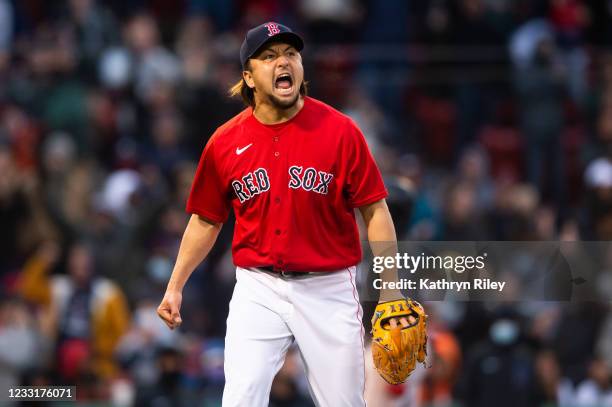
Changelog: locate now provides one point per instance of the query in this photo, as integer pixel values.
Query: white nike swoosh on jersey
(243, 149)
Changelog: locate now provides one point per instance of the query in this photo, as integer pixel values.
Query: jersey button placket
(278, 231)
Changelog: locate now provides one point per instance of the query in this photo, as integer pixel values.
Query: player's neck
(268, 114)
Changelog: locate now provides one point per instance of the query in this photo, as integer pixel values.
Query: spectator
(539, 88)
(95, 29)
(596, 390)
(144, 61)
(473, 169)
(598, 219)
(570, 18)
(462, 219)
(88, 313)
(436, 388)
(500, 371)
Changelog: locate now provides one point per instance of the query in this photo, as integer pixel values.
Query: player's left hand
(399, 339)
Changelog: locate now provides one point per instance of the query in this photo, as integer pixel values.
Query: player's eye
(268, 57)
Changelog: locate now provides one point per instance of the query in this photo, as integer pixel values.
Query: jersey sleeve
(364, 184)
(209, 195)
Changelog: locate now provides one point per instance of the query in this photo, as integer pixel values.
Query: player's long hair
(246, 93)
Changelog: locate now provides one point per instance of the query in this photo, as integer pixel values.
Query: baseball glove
(396, 350)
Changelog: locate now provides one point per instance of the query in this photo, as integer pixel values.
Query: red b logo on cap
(272, 29)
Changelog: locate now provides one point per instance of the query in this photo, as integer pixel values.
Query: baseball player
(293, 169)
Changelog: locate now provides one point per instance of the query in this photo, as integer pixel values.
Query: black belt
(287, 274)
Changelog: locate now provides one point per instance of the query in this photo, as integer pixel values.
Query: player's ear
(248, 79)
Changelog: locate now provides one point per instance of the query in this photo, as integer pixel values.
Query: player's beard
(284, 104)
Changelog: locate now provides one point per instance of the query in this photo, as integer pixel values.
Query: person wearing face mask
(500, 370)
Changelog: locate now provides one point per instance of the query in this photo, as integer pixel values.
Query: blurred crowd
(490, 120)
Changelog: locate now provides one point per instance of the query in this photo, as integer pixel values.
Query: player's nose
(282, 60)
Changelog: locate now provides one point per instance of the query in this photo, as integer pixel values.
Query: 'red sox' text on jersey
(293, 187)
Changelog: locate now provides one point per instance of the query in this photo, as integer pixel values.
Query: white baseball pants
(321, 313)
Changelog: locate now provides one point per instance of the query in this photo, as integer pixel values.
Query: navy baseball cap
(262, 34)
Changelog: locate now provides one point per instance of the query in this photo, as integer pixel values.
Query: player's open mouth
(284, 84)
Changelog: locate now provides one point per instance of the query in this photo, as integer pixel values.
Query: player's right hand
(169, 309)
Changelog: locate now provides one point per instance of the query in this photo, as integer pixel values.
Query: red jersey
(293, 187)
